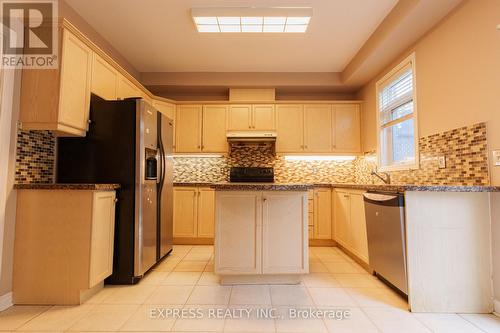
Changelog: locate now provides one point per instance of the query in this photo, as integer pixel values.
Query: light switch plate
(442, 162)
(496, 157)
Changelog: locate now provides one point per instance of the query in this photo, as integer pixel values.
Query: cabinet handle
(116, 200)
(264, 199)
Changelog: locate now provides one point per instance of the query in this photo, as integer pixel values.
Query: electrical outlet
(442, 162)
(496, 157)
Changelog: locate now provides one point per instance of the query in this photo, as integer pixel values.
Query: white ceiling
(159, 35)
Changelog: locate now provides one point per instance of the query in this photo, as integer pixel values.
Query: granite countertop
(58, 186)
(366, 187)
(261, 186)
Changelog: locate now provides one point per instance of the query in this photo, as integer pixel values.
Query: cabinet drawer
(310, 207)
(311, 232)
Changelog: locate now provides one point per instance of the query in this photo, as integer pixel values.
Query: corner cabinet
(261, 233)
(59, 99)
(63, 249)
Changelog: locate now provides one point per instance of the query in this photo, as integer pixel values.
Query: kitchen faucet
(386, 179)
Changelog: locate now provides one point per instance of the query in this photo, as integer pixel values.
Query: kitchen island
(261, 233)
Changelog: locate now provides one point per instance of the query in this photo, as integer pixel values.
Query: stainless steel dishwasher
(386, 231)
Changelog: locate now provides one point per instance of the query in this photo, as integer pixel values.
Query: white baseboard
(496, 307)
(5, 301)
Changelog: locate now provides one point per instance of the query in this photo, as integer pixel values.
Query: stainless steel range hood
(251, 137)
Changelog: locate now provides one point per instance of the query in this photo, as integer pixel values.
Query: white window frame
(409, 61)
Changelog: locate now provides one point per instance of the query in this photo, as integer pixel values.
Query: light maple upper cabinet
(346, 128)
(104, 79)
(318, 128)
(185, 212)
(259, 117)
(188, 122)
(290, 128)
(127, 89)
(59, 99)
(239, 118)
(322, 213)
(263, 117)
(167, 109)
(214, 129)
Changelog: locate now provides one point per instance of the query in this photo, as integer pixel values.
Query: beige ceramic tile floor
(185, 281)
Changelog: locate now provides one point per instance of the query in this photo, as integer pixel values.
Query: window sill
(401, 167)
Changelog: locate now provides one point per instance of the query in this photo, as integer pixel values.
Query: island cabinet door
(284, 233)
(238, 229)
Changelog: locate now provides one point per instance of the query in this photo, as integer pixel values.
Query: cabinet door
(263, 117)
(188, 128)
(322, 213)
(185, 212)
(238, 237)
(318, 128)
(127, 89)
(214, 129)
(104, 79)
(290, 128)
(102, 237)
(284, 226)
(240, 118)
(342, 216)
(359, 241)
(167, 109)
(206, 212)
(76, 72)
(346, 128)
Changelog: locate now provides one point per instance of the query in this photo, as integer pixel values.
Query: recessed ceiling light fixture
(252, 19)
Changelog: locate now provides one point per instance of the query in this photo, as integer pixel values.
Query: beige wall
(457, 73)
(458, 80)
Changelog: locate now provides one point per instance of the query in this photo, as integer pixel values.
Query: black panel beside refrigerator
(125, 142)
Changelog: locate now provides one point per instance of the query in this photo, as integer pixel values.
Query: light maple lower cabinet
(194, 215)
(322, 213)
(350, 222)
(59, 99)
(261, 233)
(63, 247)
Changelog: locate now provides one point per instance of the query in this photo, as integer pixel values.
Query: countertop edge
(366, 187)
(75, 187)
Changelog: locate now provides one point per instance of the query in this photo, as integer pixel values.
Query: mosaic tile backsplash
(35, 157)
(466, 155)
(216, 169)
(465, 150)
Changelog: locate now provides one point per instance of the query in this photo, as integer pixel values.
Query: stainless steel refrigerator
(130, 143)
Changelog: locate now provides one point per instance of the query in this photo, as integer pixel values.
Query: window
(397, 118)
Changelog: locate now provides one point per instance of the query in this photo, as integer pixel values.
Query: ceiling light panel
(252, 19)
